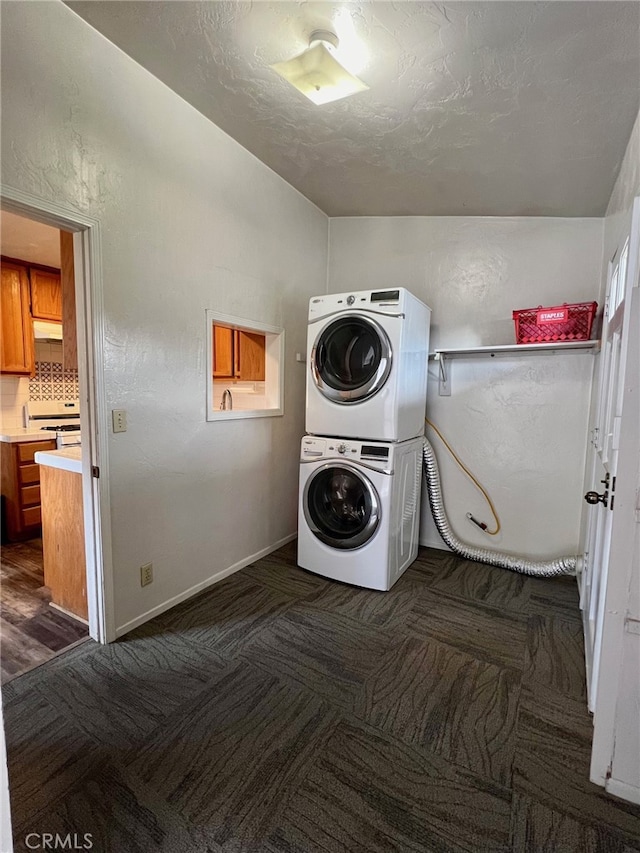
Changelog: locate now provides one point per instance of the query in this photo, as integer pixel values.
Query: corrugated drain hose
(513, 562)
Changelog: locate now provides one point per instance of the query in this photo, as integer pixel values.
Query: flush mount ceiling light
(317, 73)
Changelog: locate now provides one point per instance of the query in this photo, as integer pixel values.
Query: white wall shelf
(550, 348)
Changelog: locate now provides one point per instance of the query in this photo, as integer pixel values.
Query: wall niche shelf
(442, 356)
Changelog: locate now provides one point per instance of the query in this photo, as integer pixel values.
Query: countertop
(25, 434)
(67, 459)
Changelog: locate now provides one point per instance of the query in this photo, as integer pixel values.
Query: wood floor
(279, 712)
(31, 631)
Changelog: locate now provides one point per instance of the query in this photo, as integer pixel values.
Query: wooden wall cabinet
(16, 347)
(238, 354)
(21, 487)
(37, 293)
(223, 345)
(46, 295)
(68, 288)
(250, 357)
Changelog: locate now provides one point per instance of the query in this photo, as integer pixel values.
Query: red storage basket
(557, 323)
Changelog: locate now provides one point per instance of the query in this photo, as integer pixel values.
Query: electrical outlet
(146, 574)
(119, 420)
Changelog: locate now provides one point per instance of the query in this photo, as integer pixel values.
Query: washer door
(341, 506)
(351, 359)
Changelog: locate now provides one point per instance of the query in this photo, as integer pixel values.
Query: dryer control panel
(391, 302)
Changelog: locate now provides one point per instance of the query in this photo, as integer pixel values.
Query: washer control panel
(343, 448)
(340, 448)
(313, 448)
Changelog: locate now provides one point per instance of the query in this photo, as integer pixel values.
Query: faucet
(226, 397)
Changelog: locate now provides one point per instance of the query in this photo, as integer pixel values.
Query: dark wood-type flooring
(31, 631)
(281, 712)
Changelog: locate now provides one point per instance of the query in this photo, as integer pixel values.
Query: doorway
(83, 243)
(43, 602)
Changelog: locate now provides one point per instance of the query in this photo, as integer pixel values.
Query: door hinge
(613, 490)
(95, 472)
(595, 435)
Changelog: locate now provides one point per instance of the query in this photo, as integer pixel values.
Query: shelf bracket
(444, 378)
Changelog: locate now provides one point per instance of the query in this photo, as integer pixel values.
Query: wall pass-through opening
(244, 368)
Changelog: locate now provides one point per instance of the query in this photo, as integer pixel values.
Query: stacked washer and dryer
(360, 465)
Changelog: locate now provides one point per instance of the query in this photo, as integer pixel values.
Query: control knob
(341, 448)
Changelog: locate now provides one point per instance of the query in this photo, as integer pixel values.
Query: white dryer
(367, 356)
(359, 509)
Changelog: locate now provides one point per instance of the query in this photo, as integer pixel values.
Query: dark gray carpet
(282, 712)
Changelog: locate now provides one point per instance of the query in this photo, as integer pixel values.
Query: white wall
(189, 220)
(627, 184)
(519, 423)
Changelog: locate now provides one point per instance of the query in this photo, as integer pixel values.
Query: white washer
(359, 509)
(367, 356)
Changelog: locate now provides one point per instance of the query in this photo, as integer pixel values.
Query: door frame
(93, 415)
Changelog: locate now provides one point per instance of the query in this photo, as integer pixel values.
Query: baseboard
(434, 543)
(69, 614)
(630, 793)
(194, 590)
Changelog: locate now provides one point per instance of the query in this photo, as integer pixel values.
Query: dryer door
(341, 506)
(351, 359)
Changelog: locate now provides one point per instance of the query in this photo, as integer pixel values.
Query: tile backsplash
(52, 381)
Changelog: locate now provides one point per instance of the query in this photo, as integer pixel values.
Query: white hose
(513, 562)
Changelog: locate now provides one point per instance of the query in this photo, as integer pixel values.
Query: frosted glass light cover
(319, 76)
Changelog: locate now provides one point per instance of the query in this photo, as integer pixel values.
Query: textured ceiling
(27, 240)
(494, 108)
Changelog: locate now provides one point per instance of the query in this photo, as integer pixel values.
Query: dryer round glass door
(341, 506)
(351, 359)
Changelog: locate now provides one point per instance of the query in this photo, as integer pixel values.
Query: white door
(605, 438)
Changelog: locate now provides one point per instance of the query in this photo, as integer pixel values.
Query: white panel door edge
(606, 440)
(614, 538)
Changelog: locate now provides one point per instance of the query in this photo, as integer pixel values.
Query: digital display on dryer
(386, 296)
(374, 452)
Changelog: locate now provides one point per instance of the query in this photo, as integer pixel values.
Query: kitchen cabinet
(223, 361)
(68, 288)
(21, 487)
(16, 348)
(63, 546)
(238, 354)
(249, 355)
(46, 294)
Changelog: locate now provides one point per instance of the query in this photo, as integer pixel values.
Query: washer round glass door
(341, 506)
(351, 359)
